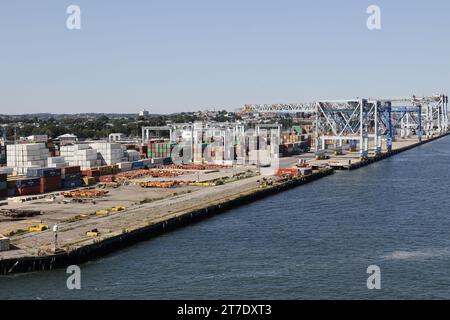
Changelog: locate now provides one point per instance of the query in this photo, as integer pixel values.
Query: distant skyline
(173, 56)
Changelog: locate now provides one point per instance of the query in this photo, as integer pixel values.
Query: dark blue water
(312, 242)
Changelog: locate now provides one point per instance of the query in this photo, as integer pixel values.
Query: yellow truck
(39, 227)
(117, 208)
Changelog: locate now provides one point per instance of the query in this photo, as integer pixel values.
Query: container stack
(143, 150)
(198, 151)
(57, 162)
(108, 153)
(71, 177)
(50, 178)
(125, 166)
(107, 170)
(3, 185)
(91, 173)
(24, 156)
(23, 186)
(217, 153)
(132, 155)
(79, 155)
(2, 155)
(159, 149)
(291, 138)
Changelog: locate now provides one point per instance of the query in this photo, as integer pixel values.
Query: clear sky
(178, 55)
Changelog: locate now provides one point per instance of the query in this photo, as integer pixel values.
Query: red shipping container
(3, 176)
(27, 191)
(3, 193)
(90, 173)
(50, 184)
(95, 173)
(143, 149)
(107, 178)
(292, 172)
(130, 146)
(70, 170)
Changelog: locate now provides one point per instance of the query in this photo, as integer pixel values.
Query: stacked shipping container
(23, 186)
(3, 185)
(108, 153)
(50, 178)
(24, 156)
(71, 177)
(159, 149)
(80, 155)
(2, 155)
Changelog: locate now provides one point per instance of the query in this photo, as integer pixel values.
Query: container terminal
(89, 198)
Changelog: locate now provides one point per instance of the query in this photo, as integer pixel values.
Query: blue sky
(174, 55)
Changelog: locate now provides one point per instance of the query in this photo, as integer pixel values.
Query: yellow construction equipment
(39, 227)
(93, 233)
(117, 208)
(204, 184)
(102, 212)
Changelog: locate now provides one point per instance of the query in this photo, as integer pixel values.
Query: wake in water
(417, 254)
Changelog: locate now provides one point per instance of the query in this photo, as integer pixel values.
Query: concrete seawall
(109, 245)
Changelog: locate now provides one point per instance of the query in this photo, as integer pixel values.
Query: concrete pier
(148, 214)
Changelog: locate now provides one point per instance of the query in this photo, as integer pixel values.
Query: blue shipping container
(137, 165)
(66, 184)
(29, 182)
(44, 172)
(72, 176)
(3, 185)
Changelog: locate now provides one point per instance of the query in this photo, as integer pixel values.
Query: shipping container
(66, 184)
(44, 172)
(27, 182)
(50, 184)
(159, 149)
(90, 173)
(292, 172)
(70, 170)
(137, 165)
(27, 191)
(71, 176)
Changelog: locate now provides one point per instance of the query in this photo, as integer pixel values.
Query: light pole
(55, 234)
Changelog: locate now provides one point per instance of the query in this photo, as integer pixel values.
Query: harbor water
(312, 242)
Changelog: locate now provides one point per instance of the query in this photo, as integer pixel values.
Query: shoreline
(129, 237)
